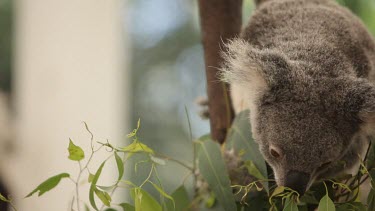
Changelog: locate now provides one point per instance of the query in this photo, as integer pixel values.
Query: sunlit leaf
(210, 201)
(212, 167)
(127, 207)
(49, 184)
(104, 197)
(120, 166)
(90, 178)
(144, 201)
(134, 132)
(75, 152)
(93, 186)
(326, 204)
(137, 146)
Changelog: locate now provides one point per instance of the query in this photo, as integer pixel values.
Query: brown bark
(220, 20)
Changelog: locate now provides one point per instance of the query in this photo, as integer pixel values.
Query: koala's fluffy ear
(253, 69)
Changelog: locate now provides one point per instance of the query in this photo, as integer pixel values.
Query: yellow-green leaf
(162, 192)
(2, 198)
(144, 201)
(103, 196)
(48, 184)
(90, 178)
(134, 132)
(93, 186)
(137, 146)
(120, 166)
(75, 152)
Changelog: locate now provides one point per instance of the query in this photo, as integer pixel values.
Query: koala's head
(307, 127)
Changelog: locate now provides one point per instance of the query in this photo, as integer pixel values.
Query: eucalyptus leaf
(120, 166)
(240, 139)
(144, 201)
(136, 147)
(253, 170)
(162, 192)
(371, 200)
(104, 197)
(212, 167)
(326, 204)
(49, 184)
(93, 186)
(127, 207)
(75, 152)
(181, 199)
(2, 198)
(290, 205)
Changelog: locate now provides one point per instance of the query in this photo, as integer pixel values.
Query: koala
(306, 71)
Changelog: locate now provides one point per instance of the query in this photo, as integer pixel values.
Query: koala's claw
(202, 102)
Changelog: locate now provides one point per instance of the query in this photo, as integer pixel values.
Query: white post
(70, 68)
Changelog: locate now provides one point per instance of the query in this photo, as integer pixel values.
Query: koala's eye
(275, 153)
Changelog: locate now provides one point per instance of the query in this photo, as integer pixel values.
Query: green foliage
(212, 168)
(75, 152)
(49, 184)
(213, 185)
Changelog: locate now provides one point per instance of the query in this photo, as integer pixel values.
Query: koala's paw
(202, 102)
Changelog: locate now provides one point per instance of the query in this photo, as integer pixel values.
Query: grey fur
(305, 68)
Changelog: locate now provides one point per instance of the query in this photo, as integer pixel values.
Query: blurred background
(107, 63)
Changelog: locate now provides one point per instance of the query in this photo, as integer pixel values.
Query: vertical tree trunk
(220, 20)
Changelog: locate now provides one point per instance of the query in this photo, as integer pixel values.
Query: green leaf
(290, 205)
(75, 152)
(2, 198)
(93, 186)
(253, 170)
(87, 208)
(371, 200)
(90, 178)
(240, 139)
(127, 207)
(137, 146)
(144, 201)
(134, 132)
(326, 204)
(352, 206)
(181, 199)
(104, 197)
(120, 166)
(162, 192)
(49, 184)
(278, 190)
(212, 167)
(210, 201)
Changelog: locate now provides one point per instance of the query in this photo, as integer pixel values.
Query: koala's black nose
(297, 181)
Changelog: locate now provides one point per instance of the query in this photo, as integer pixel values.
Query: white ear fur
(241, 68)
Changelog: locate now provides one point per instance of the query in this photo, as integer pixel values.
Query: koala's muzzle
(297, 181)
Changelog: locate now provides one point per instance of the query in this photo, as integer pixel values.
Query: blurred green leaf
(181, 199)
(290, 205)
(162, 192)
(326, 204)
(2, 198)
(213, 170)
(371, 200)
(157, 160)
(144, 201)
(134, 132)
(352, 206)
(120, 166)
(104, 197)
(127, 207)
(253, 170)
(137, 146)
(49, 184)
(240, 139)
(210, 201)
(90, 178)
(75, 152)
(93, 186)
